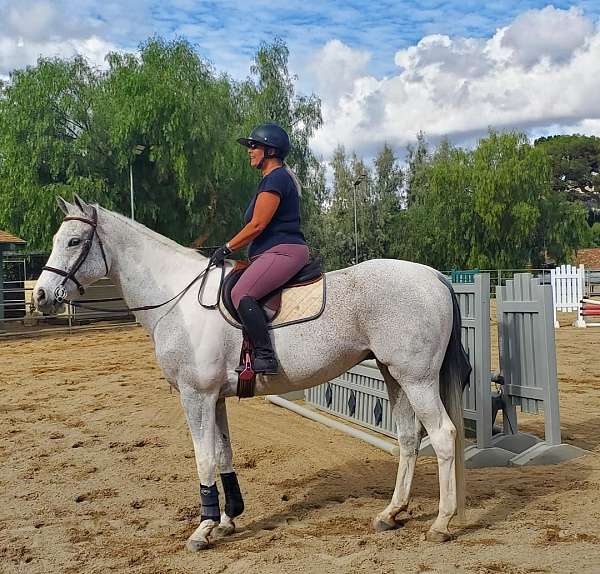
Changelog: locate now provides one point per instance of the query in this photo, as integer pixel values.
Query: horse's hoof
(436, 536)
(223, 530)
(195, 545)
(381, 525)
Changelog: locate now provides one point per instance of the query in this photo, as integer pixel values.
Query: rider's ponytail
(294, 177)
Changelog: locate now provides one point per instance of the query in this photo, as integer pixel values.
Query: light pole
(137, 150)
(358, 181)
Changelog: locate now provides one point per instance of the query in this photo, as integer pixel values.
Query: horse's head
(77, 259)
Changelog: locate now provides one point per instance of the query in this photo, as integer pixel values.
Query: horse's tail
(454, 376)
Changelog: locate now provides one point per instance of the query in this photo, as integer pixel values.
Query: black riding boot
(255, 324)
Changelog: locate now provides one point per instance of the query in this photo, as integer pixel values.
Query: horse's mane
(153, 235)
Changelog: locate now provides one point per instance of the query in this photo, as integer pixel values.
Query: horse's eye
(74, 242)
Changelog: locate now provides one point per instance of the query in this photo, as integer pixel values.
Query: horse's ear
(85, 208)
(64, 205)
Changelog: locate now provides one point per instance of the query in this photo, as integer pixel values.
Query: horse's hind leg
(423, 394)
(409, 439)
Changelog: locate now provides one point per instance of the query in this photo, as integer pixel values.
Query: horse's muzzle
(44, 302)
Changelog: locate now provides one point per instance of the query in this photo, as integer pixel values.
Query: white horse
(402, 313)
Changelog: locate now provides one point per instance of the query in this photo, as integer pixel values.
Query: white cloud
(549, 33)
(38, 28)
(541, 70)
(335, 67)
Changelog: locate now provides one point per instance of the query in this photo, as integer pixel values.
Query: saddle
(301, 299)
(286, 305)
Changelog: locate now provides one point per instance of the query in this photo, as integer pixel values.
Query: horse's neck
(149, 268)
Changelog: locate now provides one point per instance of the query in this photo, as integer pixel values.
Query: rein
(60, 291)
(202, 275)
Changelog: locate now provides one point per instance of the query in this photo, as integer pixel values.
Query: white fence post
(567, 291)
(580, 322)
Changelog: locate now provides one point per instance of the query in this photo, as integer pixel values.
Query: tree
(575, 161)
(416, 158)
(439, 221)
(595, 235)
(43, 113)
(492, 207)
(338, 220)
(68, 128)
(385, 237)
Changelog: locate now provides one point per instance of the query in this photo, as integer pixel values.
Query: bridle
(60, 292)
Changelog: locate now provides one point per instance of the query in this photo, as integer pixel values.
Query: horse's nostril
(40, 295)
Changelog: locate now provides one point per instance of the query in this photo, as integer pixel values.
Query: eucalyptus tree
(386, 235)
(338, 219)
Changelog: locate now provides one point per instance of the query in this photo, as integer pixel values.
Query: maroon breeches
(270, 270)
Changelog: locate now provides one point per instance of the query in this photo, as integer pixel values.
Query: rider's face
(256, 153)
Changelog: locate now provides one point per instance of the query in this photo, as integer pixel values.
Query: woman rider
(277, 248)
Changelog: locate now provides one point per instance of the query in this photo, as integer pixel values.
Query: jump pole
(386, 445)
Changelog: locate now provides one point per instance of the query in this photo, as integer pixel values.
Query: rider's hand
(219, 255)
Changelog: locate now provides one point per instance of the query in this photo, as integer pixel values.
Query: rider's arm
(265, 207)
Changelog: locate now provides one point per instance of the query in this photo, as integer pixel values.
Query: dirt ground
(98, 476)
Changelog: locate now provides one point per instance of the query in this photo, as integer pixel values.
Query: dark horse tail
(456, 361)
(454, 377)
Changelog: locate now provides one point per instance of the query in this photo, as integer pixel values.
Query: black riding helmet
(270, 136)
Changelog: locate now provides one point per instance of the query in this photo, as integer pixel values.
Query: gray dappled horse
(403, 313)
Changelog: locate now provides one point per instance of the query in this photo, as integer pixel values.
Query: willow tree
(492, 207)
(66, 127)
(44, 112)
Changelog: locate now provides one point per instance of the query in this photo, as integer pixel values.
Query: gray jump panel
(359, 395)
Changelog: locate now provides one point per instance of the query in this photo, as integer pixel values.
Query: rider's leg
(266, 273)
(255, 323)
(270, 270)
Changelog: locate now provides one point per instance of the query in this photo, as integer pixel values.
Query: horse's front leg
(234, 503)
(199, 407)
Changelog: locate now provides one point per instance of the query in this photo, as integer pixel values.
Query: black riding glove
(219, 255)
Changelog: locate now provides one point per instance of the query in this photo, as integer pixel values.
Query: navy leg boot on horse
(255, 325)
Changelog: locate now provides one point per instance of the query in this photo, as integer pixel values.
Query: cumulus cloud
(335, 67)
(548, 33)
(31, 29)
(539, 71)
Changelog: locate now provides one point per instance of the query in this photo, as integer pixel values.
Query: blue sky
(392, 67)
(228, 31)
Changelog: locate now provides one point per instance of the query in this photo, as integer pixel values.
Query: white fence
(567, 291)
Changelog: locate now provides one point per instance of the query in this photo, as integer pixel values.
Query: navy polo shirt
(284, 227)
